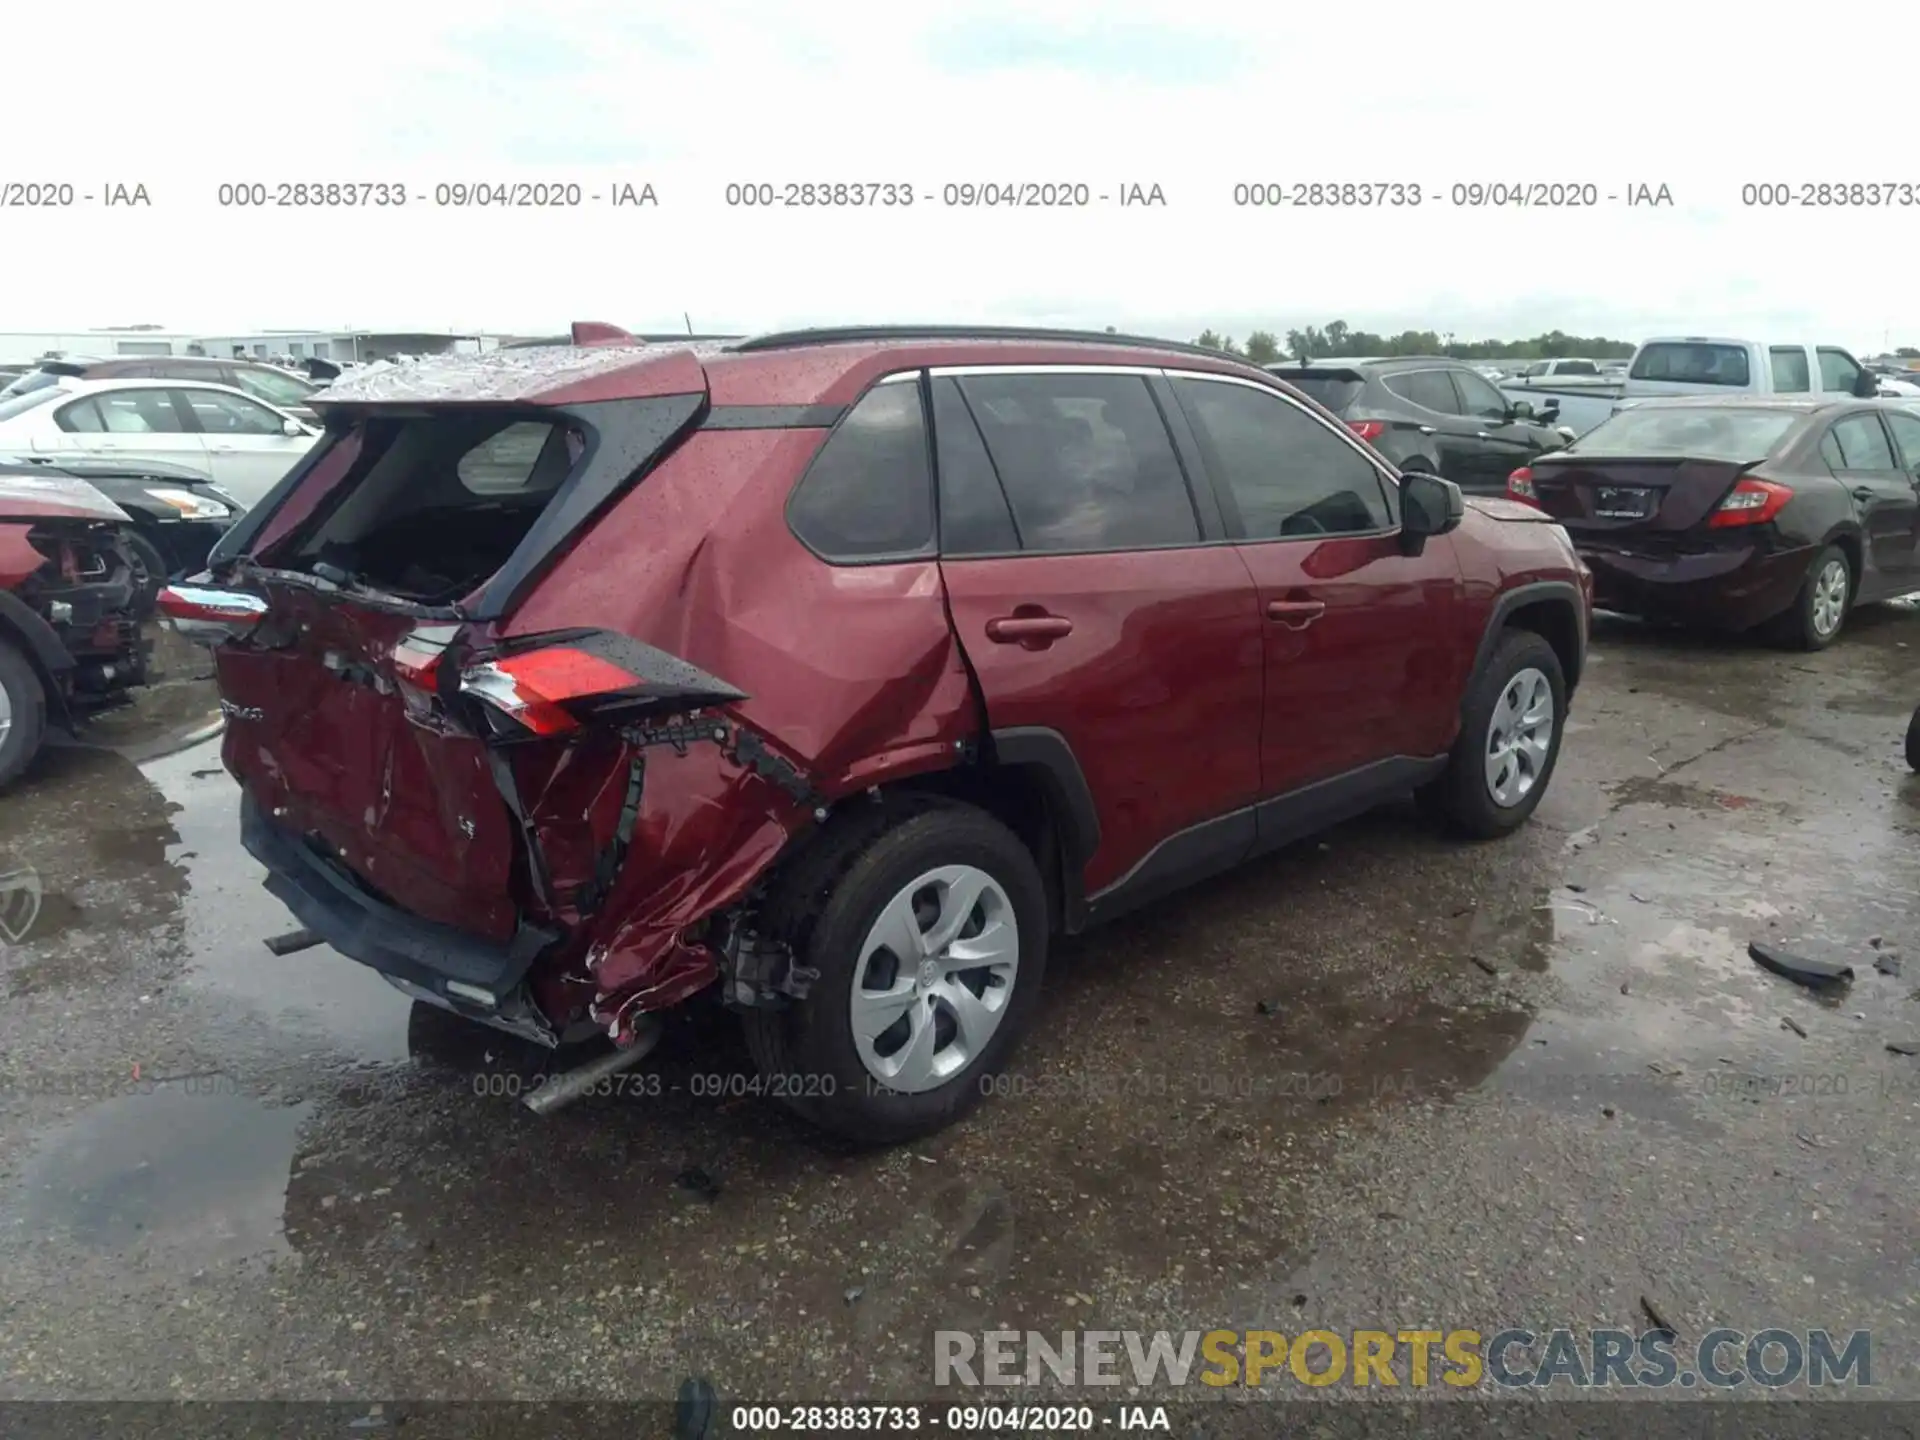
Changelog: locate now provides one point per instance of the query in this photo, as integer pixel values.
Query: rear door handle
(1864, 493)
(1028, 629)
(1296, 614)
(1428, 430)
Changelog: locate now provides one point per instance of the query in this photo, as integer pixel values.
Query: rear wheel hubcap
(934, 978)
(1830, 596)
(6, 714)
(1519, 737)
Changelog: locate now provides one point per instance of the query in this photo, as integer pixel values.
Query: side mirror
(1550, 414)
(292, 428)
(1429, 506)
(1866, 385)
(1520, 409)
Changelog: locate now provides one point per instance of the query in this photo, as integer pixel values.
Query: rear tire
(23, 714)
(1509, 741)
(1819, 611)
(1913, 740)
(929, 867)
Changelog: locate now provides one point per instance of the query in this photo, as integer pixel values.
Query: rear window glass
(32, 380)
(12, 405)
(1693, 362)
(869, 492)
(1698, 433)
(1332, 392)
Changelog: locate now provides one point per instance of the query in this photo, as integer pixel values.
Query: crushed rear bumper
(434, 962)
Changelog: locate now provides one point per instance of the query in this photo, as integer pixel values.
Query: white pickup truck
(1702, 365)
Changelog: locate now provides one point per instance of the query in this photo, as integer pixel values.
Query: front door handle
(1034, 631)
(1482, 435)
(1296, 614)
(1864, 493)
(1428, 430)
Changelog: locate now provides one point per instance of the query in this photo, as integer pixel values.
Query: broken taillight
(552, 685)
(208, 616)
(416, 665)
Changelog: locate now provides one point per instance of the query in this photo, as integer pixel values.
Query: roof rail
(853, 334)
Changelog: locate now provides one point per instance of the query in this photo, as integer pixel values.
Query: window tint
(274, 388)
(1838, 371)
(1085, 459)
(1576, 367)
(223, 414)
(124, 412)
(1538, 368)
(1906, 434)
(1790, 373)
(1862, 444)
(974, 518)
(1290, 475)
(1693, 362)
(868, 491)
(1429, 389)
(1477, 397)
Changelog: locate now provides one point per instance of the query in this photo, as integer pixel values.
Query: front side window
(868, 494)
(1291, 477)
(123, 412)
(1479, 398)
(1791, 375)
(1839, 371)
(1861, 442)
(223, 414)
(1577, 367)
(1906, 434)
(282, 390)
(1085, 460)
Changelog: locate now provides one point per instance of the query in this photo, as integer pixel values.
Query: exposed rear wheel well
(1555, 622)
(1850, 547)
(1019, 797)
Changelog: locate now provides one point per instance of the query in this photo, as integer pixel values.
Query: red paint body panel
(1377, 674)
(1158, 688)
(18, 559)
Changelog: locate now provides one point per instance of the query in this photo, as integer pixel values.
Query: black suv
(266, 382)
(1434, 414)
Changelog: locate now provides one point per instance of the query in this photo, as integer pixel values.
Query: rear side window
(975, 518)
(1290, 475)
(1861, 443)
(1085, 460)
(219, 413)
(1429, 389)
(1839, 371)
(123, 412)
(1790, 373)
(509, 461)
(1692, 362)
(869, 493)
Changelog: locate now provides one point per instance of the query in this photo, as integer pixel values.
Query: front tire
(929, 932)
(149, 573)
(1820, 609)
(23, 714)
(1509, 740)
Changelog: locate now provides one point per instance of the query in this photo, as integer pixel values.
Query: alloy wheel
(1519, 737)
(1830, 588)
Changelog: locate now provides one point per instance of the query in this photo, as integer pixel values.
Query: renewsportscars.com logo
(1721, 1359)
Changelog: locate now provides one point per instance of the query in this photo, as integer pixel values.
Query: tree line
(1338, 340)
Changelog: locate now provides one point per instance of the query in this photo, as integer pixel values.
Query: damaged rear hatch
(385, 735)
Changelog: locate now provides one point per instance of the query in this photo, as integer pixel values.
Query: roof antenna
(689, 319)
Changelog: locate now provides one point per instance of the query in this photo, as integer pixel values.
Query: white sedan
(239, 442)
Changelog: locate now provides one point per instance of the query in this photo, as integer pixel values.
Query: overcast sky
(1194, 96)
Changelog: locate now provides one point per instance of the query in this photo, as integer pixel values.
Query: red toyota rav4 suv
(839, 669)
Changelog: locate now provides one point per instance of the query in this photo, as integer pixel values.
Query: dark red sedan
(1781, 512)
